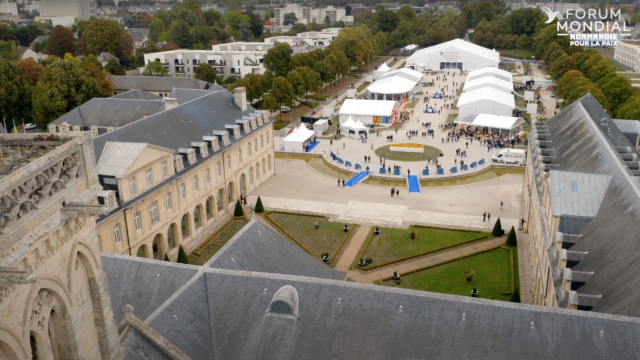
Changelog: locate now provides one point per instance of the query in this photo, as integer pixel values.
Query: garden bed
(429, 153)
(216, 242)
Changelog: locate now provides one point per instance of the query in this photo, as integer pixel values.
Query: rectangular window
(261, 141)
(153, 211)
(255, 143)
(111, 202)
(164, 169)
(267, 136)
(207, 177)
(239, 155)
(195, 183)
(249, 148)
(169, 201)
(132, 186)
(116, 233)
(229, 162)
(149, 178)
(218, 169)
(183, 193)
(136, 219)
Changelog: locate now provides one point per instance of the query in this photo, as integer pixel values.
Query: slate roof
(628, 126)
(257, 248)
(577, 194)
(222, 314)
(579, 144)
(105, 57)
(39, 39)
(138, 34)
(157, 83)
(186, 95)
(112, 111)
(137, 94)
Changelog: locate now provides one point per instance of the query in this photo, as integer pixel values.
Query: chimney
(170, 103)
(240, 97)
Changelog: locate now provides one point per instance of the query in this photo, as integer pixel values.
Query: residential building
(441, 7)
(139, 36)
(8, 7)
(81, 9)
(561, 7)
(105, 57)
(26, 52)
(626, 53)
(307, 41)
(582, 202)
(307, 15)
(54, 296)
(40, 39)
(160, 86)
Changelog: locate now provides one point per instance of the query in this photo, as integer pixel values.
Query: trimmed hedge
(515, 297)
(259, 208)
(511, 239)
(166, 257)
(196, 251)
(182, 256)
(238, 211)
(497, 229)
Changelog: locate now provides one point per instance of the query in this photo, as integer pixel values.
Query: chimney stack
(170, 103)
(240, 97)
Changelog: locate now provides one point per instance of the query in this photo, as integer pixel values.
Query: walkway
(409, 265)
(353, 248)
(525, 269)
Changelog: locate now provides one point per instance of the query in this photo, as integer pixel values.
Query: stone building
(54, 296)
(582, 205)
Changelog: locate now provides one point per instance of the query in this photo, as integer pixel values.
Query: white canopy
(384, 67)
(363, 107)
(396, 82)
(457, 53)
(356, 126)
(494, 83)
(486, 101)
(410, 47)
(490, 72)
(298, 138)
(493, 121)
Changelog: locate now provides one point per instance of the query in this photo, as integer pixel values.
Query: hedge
(182, 256)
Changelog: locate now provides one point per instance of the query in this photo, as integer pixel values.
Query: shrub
(238, 211)
(497, 229)
(515, 297)
(182, 256)
(469, 274)
(412, 234)
(368, 260)
(511, 239)
(166, 257)
(259, 208)
(398, 282)
(325, 254)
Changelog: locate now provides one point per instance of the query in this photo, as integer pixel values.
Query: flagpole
(24, 128)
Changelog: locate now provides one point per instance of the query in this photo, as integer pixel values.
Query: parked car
(285, 109)
(30, 126)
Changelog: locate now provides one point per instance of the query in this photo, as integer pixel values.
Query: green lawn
(507, 66)
(615, 66)
(309, 104)
(515, 53)
(280, 124)
(363, 86)
(394, 244)
(326, 239)
(492, 276)
(429, 153)
(216, 243)
(319, 97)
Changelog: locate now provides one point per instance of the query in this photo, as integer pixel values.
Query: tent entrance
(450, 65)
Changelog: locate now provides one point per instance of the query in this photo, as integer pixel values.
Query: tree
(566, 78)
(289, 19)
(232, 5)
(618, 90)
(515, 297)
(31, 69)
(406, 13)
(244, 32)
(324, 68)
(124, 48)
(214, 18)
(386, 21)
(145, 19)
(72, 59)
(205, 72)
(259, 208)
(238, 210)
(166, 257)
(15, 92)
(156, 27)
(271, 104)
(26, 34)
(524, 21)
(61, 41)
(102, 77)
(179, 34)
(282, 92)
(155, 68)
(404, 34)
(114, 67)
(511, 238)
(102, 35)
(62, 87)
(630, 109)
(92, 59)
(256, 24)
(278, 59)
(6, 33)
(182, 256)
(497, 229)
(235, 18)
(9, 50)
(559, 67)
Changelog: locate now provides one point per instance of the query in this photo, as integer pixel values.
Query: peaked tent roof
(506, 86)
(487, 94)
(458, 44)
(490, 71)
(384, 67)
(364, 107)
(257, 248)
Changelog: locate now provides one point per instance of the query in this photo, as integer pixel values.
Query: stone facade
(59, 307)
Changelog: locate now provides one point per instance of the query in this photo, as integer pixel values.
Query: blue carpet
(313, 145)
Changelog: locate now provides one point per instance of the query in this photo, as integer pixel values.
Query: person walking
(488, 215)
(338, 182)
(371, 146)
(501, 203)
(330, 142)
(408, 171)
(343, 182)
(484, 216)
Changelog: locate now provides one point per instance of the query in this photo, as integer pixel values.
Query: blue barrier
(358, 167)
(425, 172)
(464, 167)
(481, 162)
(473, 164)
(396, 171)
(347, 164)
(383, 171)
(356, 179)
(440, 172)
(340, 161)
(453, 170)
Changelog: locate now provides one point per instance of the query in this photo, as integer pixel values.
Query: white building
(368, 111)
(561, 7)
(8, 7)
(485, 101)
(82, 9)
(307, 15)
(310, 40)
(454, 54)
(627, 53)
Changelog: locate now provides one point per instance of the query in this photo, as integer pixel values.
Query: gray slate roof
(222, 314)
(137, 94)
(39, 39)
(628, 126)
(114, 112)
(611, 237)
(577, 194)
(257, 248)
(157, 83)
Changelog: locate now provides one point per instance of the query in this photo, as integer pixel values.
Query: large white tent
(490, 72)
(487, 82)
(382, 70)
(486, 101)
(493, 122)
(454, 54)
(298, 139)
(394, 85)
(354, 129)
(368, 111)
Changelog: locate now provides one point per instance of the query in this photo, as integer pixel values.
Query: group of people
(367, 159)
(395, 191)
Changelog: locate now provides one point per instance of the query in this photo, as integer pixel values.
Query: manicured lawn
(326, 239)
(394, 244)
(280, 124)
(515, 53)
(507, 66)
(309, 104)
(217, 243)
(363, 86)
(318, 97)
(615, 66)
(492, 276)
(429, 153)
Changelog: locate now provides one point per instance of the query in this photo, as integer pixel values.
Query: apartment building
(81, 9)
(307, 15)
(307, 41)
(626, 52)
(561, 7)
(8, 7)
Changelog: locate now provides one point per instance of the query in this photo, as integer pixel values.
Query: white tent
(395, 84)
(490, 72)
(486, 101)
(356, 128)
(368, 111)
(321, 126)
(409, 48)
(454, 54)
(382, 70)
(496, 122)
(298, 139)
(494, 83)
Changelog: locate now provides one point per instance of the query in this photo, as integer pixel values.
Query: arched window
(269, 162)
(197, 216)
(209, 208)
(142, 251)
(220, 196)
(158, 247)
(171, 236)
(257, 171)
(263, 167)
(251, 175)
(185, 226)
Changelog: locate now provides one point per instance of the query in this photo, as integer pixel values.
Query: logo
(551, 14)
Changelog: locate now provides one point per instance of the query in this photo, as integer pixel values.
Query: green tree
(166, 257)
(407, 13)
(62, 87)
(181, 13)
(102, 35)
(289, 19)
(324, 68)
(566, 78)
(102, 77)
(155, 68)
(114, 67)
(214, 18)
(179, 34)
(511, 238)
(9, 50)
(497, 229)
(182, 256)
(15, 92)
(26, 34)
(386, 21)
(295, 79)
(282, 92)
(559, 67)
(205, 72)
(61, 41)
(515, 297)
(238, 210)
(278, 59)
(630, 109)
(31, 69)
(235, 18)
(92, 59)
(271, 104)
(6, 33)
(618, 90)
(259, 208)
(156, 27)
(524, 21)
(124, 48)
(71, 58)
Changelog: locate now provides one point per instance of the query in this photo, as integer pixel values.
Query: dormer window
(236, 132)
(178, 163)
(204, 151)
(192, 157)
(215, 144)
(284, 302)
